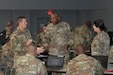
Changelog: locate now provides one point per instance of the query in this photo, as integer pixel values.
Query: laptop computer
(55, 62)
(103, 60)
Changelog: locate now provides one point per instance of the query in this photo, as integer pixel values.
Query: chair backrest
(103, 60)
(110, 33)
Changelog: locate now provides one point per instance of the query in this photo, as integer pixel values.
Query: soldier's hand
(40, 50)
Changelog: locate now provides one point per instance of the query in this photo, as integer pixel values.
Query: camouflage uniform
(18, 39)
(100, 44)
(41, 40)
(84, 65)
(8, 32)
(30, 64)
(7, 55)
(82, 35)
(110, 59)
(58, 36)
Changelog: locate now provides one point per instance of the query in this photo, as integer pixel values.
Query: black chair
(103, 60)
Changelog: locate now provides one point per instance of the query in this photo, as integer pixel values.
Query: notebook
(103, 60)
(55, 62)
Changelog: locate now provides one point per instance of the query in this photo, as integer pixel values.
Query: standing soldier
(41, 38)
(20, 38)
(58, 34)
(101, 42)
(82, 35)
(5, 34)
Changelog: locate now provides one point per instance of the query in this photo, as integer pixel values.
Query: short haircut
(19, 19)
(32, 46)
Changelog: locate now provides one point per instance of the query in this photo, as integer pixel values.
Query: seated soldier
(83, 64)
(29, 64)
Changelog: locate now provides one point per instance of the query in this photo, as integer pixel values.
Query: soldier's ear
(58, 18)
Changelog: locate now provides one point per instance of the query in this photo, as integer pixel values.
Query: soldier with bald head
(58, 33)
(83, 64)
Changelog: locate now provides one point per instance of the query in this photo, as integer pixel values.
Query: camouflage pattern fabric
(84, 65)
(100, 44)
(30, 64)
(18, 39)
(41, 40)
(7, 55)
(58, 36)
(8, 32)
(82, 35)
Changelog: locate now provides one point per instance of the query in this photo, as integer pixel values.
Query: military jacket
(58, 36)
(100, 44)
(41, 40)
(84, 65)
(30, 64)
(82, 35)
(18, 39)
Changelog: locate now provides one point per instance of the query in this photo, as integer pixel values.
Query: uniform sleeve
(48, 32)
(43, 69)
(95, 46)
(37, 39)
(68, 70)
(69, 34)
(6, 50)
(89, 38)
(14, 42)
(99, 68)
(29, 35)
